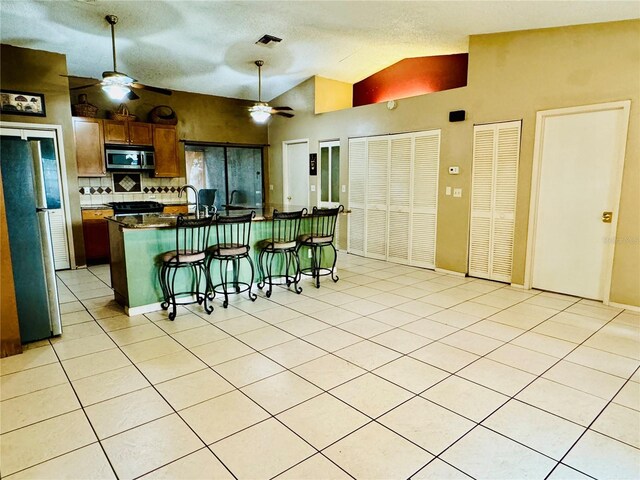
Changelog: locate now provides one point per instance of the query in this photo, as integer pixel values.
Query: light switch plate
(313, 188)
(344, 188)
(457, 192)
(447, 191)
(271, 187)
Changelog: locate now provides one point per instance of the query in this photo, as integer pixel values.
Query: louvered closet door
(377, 198)
(493, 200)
(425, 199)
(357, 195)
(399, 198)
(59, 239)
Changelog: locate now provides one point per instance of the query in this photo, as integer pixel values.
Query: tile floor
(393, 372)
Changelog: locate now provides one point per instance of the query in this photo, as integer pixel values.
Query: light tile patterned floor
(393, 372)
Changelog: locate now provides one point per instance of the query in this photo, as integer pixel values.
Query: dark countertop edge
(107, 207)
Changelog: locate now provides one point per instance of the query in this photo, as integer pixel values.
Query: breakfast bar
(137, 243)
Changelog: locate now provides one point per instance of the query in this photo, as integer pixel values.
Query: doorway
(227, 176)
(577, 174)
(295, 170)
(51, 152)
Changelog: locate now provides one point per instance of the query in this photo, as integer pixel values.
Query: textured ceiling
(209, 46)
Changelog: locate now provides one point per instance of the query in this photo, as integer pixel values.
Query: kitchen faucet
(195, 192)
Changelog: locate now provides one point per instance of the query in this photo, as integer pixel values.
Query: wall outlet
(447, 191)
(152, 196)
(454, 170)
(271, 188)
(344, 188)
(313, 188)
(457, 192)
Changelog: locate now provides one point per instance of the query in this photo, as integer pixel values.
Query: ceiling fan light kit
(261, 111)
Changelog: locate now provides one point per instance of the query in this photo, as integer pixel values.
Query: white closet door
(59, 239)
(401, 155)
(357, 195)
(504, 211)
(496, 152)
(425, 199)
(377, 197)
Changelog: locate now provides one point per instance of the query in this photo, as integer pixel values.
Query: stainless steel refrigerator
(25, 182)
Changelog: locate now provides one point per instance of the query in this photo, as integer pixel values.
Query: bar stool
(192, 238)
(321, 233)
(232, 245)
(285, 229)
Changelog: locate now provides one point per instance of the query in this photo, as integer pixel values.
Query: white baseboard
(633, 308)
(451, 272)
(517, 285)
(152, 307)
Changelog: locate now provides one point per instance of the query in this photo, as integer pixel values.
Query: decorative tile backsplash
(127, 182)
(125, 187)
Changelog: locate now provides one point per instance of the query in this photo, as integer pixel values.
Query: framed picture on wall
(22, 103)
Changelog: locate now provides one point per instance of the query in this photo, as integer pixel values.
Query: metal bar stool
(232, 245)
(321, 233)
(285, 229)
(192, 238)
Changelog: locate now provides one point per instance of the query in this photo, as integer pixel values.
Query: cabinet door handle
(607, 217)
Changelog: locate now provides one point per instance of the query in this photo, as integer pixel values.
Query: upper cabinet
(128, 133)
(89, 147)
(165, 143)
(92, 134)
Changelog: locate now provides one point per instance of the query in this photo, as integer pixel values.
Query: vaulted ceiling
(209, 46)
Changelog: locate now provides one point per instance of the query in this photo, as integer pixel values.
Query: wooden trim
(10, 343)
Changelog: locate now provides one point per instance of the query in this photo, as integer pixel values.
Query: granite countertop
(95, 207)
(107, 207)
(162, 220)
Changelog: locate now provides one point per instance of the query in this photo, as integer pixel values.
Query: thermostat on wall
(454, 170)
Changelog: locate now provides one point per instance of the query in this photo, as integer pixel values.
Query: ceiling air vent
(267, 39)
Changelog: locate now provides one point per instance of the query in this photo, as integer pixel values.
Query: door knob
(607, 217)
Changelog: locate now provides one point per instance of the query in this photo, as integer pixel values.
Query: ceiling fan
(261, 111)
(117, 84)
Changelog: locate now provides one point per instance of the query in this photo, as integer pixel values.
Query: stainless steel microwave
(129, 159)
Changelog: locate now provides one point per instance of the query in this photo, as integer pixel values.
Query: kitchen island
(137, 243)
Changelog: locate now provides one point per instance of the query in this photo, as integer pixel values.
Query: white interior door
(399, 198)
(496, 153)
(579, 172)
(424, 210)
(357, 194)
(377, 197)
(296, 174)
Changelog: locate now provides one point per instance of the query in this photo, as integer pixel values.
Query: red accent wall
(411, 77)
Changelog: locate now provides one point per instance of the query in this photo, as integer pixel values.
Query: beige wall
(202, 118)
(511, 76)
(332, 95)
(40, 72)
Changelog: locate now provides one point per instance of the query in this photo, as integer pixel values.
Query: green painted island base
(136, 257)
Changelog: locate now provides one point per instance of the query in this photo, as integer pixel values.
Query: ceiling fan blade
(281, 108)
(131, 95)
(283, 114)
(162, 91)
(85, 86)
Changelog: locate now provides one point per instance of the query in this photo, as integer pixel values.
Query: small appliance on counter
(134, 208)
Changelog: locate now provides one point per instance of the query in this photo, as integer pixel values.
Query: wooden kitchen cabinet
(89, 147)
(176, 209)
(128, 133)
(165, 144)
(96, 235)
